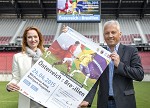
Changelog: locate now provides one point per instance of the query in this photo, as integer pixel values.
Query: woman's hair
(24, 40)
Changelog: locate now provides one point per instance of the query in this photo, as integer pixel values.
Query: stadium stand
(130, 35)
(50, 31)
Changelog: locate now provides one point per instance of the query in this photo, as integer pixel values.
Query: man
(116, 83)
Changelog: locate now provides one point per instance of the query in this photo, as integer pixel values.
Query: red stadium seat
(145, 61)
(4, 40)
(6, 62)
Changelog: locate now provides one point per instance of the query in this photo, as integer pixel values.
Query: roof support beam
(42, 8)
(119, 5)
(144, 5)
(18, 12)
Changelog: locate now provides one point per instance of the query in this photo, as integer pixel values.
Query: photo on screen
(78, 11)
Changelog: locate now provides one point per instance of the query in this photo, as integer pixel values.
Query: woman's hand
(12, 87)
(65, 29)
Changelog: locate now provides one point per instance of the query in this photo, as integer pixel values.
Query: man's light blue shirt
(111, 71)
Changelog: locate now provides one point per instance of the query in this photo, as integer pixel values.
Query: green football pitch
(142, 89)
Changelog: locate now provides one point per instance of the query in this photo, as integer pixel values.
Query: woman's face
(32, 39)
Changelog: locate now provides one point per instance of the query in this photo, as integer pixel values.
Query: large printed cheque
(66, 72)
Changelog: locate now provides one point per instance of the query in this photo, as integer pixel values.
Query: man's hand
(115, 57)
(83, 104)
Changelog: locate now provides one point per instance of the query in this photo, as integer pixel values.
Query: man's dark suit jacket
(129, 69)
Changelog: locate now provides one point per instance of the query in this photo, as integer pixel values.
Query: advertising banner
(78, 10)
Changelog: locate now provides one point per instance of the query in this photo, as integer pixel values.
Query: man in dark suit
(116, 83)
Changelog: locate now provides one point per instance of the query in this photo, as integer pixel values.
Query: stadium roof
(45, 8)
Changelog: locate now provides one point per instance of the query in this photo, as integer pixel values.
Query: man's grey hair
(110, 22)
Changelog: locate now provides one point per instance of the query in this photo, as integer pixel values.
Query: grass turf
(142, 89)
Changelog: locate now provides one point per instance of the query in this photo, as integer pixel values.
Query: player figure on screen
(64, 6)
(68, 7)
(70, 55)
(78, 6)
(74, 6)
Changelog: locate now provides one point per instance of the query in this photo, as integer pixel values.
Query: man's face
(112, 35)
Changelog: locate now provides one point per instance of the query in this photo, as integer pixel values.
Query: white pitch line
(8, 101)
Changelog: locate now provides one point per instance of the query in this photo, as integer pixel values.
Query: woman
(32, 49)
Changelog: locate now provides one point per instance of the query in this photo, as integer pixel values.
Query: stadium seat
(6, 62)
(145, 61)
(148, 37)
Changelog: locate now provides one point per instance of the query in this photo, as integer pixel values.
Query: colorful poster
(66, 72)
